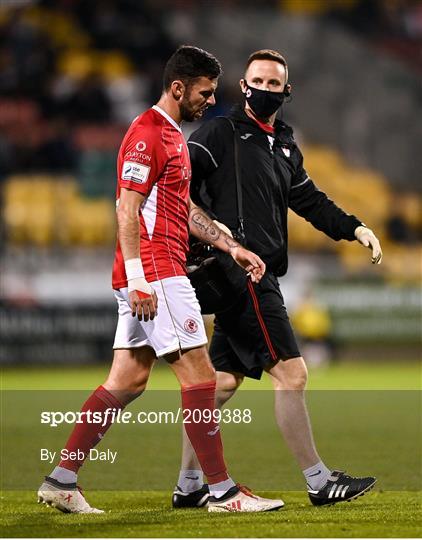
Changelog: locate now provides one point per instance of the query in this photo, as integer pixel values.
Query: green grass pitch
(366, 418)
(147, 514)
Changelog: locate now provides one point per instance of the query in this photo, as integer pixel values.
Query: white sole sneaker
(64, 497)
(240, 499)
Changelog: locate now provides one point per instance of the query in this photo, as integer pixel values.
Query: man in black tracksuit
(255, 334)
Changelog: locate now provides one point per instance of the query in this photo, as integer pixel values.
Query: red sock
(204, 435)
(86, 435)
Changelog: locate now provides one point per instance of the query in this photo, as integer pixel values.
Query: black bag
(217, 279)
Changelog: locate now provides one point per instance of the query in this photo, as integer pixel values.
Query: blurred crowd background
(73, 75)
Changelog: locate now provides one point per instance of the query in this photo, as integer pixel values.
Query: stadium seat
(43, 210)
(77, 63)
(60, 27)
(114, 64)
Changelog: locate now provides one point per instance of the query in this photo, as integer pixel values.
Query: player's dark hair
(266, 54)
(188, 63)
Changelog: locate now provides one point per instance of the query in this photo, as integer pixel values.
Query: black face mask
(263, 102)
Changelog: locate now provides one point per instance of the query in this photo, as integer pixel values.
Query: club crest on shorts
(190, 326)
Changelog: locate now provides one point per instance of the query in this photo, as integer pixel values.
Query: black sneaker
(195, 499)
(340, 488)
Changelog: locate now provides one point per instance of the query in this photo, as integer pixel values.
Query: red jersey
(154, 160)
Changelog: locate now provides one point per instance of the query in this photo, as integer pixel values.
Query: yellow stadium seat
(114, 64)
(314, 7)
(77, 63)
(62, 28)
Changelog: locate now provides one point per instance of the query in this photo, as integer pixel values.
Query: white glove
(223, 228)
(368, 239)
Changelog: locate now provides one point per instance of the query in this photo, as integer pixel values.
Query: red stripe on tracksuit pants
(261, 321)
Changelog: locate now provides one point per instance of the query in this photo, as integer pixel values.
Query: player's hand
(223, 227)
(143, 299)
(368, 239)
(249, 261)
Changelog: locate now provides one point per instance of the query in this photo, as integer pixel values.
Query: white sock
(65, 476)
(220, 488)
(190, 480)
(317, 475)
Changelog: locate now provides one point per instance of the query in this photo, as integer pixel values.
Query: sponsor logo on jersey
(137, 155)
(286, 151)
(246, 136)
(141, 146)
(180, 147)
(135, 172)
(190, 326)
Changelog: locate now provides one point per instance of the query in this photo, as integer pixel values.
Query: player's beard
(187, 113)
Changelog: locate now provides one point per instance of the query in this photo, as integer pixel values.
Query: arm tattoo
(231, 243)
(205, 227)
(206, 230)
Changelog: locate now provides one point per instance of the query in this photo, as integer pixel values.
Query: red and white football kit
(154, 161)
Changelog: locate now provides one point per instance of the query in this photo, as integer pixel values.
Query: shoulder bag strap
(239, 195)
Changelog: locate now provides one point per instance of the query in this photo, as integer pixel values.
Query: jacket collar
(283, 132)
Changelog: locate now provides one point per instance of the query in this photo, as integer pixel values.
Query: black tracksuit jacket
(273, 180)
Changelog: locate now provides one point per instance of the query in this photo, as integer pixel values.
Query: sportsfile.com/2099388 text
(117, 416)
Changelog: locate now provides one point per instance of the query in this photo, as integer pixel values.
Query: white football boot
(241, 499)
(67, 498)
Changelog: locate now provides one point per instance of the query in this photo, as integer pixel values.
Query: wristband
(134, 269)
